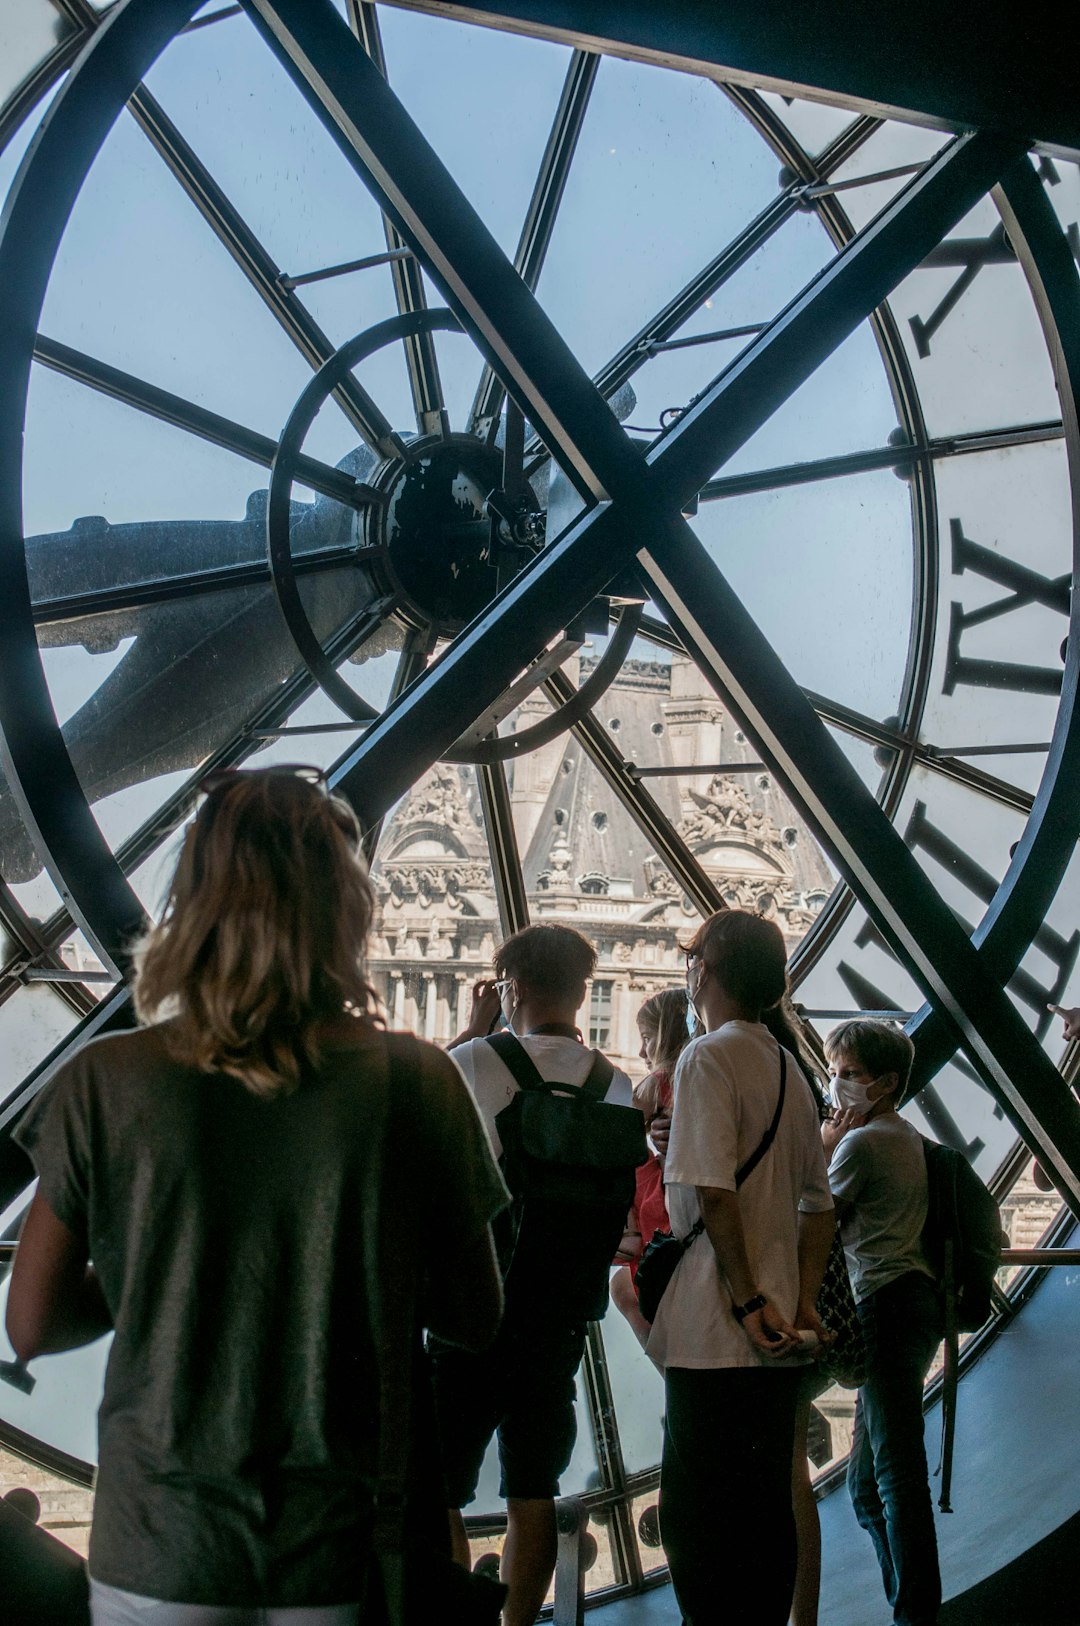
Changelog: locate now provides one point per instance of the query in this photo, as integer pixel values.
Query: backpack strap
(516, 1059)
(600, 1076)
(527, 1076)
(770, 1134)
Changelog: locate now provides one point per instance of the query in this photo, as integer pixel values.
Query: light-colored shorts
(109, 1606)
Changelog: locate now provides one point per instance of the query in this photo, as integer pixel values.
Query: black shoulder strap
(514, 1056)
(770, 1134)
(391, 1248)
(600, 1076)
(527, 1076)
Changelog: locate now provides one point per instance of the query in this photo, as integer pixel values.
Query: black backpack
(568, 1159)
(962, 1242)
(962, 1235)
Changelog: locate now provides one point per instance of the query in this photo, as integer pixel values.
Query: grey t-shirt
(880, 1170)
(238, 1429)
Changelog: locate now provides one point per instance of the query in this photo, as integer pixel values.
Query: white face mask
(852, 1094)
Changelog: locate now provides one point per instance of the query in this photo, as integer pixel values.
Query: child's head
(875, 1057)
(662, 1024)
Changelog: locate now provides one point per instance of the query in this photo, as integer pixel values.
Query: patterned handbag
(844, 1361)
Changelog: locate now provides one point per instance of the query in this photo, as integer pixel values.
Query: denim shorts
(110, 1606)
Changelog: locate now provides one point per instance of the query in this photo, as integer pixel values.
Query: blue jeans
(887, 1471)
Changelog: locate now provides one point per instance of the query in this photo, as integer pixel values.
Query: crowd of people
(247, 1188)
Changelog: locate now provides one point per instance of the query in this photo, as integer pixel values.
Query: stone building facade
(586, 862)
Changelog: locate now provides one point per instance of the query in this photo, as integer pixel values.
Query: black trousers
(725, 1493)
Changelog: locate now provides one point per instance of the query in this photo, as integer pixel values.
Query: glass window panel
(1027, 1213)
(813, 124)
(33, 1020)
(77, 954)
(645, 1514)
(141, 281)
(740, 827)
(35, 893)
(844, 406)
(62, 1411)
(978, 1124)
(940, 820)
(1050, 968)
(639, 1394)
(890, 147)
(997, 659)
(842, 546)
(857, 972)
(769, 279)
(985, 362)
(270, 153)
(29, 30)
(146, 693)
(1062, 181)
(485, 99)
(436, 920)
(11, 156)
(837, 1408)
(128, 467)
(625, 240)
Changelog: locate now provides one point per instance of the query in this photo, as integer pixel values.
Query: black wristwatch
(741, 1311)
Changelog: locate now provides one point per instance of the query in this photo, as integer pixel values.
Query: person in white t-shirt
(727, 1332)
(523, 1388)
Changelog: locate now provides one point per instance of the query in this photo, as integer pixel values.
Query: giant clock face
(820, 488)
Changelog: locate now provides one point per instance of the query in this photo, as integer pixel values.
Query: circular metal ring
(503, 748)
(283, 472)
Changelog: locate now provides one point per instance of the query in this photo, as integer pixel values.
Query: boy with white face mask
(877, 1175)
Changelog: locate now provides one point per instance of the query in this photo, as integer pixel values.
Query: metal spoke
(197, 420)
(509, 882)
(415, 654)
(421, 361)
(719, 270)
(257, 265)
(599, 747)
(900, 456)
(536, 233)
(882, 736)
(189, 584)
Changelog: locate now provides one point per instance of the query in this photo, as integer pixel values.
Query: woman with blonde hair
(662, 1025)
(222, 1168)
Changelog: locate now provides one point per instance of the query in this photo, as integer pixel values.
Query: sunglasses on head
(221, 778)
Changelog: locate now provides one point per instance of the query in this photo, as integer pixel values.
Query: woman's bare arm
(55, 1300)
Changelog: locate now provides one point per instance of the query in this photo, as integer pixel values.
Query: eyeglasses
(221, 778)
(501, 984)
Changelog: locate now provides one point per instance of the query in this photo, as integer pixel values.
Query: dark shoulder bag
(661, 1258)
(411, 1568)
